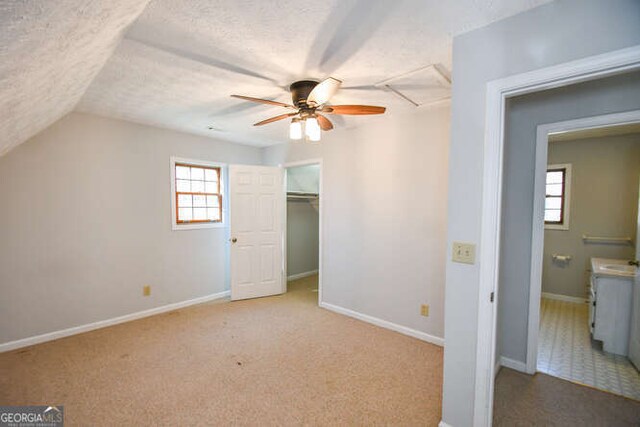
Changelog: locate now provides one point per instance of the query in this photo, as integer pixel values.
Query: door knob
(233, 240)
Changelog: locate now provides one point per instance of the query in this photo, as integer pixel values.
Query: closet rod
(295, 195)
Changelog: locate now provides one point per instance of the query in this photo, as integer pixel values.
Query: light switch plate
(464, 253)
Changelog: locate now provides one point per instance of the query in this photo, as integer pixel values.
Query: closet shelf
(295, 195)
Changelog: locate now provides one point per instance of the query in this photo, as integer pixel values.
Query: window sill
(562, 227)
(178, 227)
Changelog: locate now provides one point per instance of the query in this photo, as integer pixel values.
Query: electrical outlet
(464, 252)
(146, 290)
(424, 310)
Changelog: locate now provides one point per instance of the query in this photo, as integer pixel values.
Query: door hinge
(594, 303)
(593, 324)
(492, 296)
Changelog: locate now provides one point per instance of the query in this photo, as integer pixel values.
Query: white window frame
(566, 204)
(223, 188)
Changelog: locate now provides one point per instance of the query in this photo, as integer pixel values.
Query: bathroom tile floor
(566, 350)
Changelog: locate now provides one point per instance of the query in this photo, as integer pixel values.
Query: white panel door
(256, 217)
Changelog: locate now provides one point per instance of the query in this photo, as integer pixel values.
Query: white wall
(544, 36)
(384, 188)
(304, 179)
(86, 222)
(604, 202)
(302, 220)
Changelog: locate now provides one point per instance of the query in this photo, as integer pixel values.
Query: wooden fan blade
(274, 119)
(263, 101)
(325, 124)
(355, 110)
(323, 91)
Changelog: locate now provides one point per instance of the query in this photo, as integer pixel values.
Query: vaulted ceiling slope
(181, 59)
(50, 52)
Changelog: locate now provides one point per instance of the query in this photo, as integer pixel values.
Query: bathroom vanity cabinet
(610, 303)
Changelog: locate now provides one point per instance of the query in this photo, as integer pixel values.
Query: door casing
(537, 229)
(498, 91)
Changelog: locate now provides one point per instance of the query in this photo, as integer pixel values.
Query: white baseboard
(443, 424)
(513, 364)
(385, 324)
(565, 298)
(496, 368)
(301, 275)
(50, 336)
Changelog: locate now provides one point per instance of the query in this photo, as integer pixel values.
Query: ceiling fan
(309, 102)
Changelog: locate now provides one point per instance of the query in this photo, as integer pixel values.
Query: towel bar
(608, 240)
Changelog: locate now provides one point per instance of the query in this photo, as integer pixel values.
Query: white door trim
(537, 229)
(498, 91)
(316, 161)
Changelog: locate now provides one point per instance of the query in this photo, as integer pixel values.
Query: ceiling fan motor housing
(300, 91)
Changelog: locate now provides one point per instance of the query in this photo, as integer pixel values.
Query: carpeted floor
(270, 361)
(542, 400)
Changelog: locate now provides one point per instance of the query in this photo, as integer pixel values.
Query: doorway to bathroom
(303, 230)
(508, 316)
(584, 327)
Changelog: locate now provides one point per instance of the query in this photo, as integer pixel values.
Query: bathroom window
(556, 206)
(197, 194)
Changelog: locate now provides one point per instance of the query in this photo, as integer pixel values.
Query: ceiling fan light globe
(311, 125)
(295, 130)
(312, 129)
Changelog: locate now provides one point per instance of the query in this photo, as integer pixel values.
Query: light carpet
(269, 361)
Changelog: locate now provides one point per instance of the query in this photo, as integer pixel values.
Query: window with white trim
(556, 205)
(197, 194)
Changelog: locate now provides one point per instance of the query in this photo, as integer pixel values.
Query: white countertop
(607, 267)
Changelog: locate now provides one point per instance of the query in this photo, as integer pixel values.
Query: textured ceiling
(182, 59)
(50, 51)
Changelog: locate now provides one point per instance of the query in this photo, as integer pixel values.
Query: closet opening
(303, 230)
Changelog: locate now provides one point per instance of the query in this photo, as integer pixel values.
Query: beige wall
(604, 202)
(86, 222)
(384, 214)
